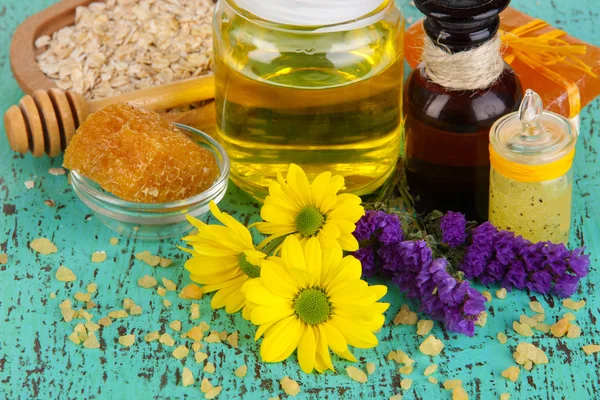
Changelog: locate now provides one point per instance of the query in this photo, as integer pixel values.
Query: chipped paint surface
(38, 361)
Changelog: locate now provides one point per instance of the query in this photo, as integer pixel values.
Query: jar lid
(309, 12)
(533, 136)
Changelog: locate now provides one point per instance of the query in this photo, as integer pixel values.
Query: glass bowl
(160, 220)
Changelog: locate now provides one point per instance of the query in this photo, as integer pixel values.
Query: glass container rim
(223, 162)
(538, 158)
(381, 9)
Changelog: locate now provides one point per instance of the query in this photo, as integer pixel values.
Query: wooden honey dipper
(45, 122)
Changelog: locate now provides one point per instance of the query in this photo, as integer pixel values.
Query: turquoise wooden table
(37, 361)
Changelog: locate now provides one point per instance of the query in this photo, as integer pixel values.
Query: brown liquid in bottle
(447, 132)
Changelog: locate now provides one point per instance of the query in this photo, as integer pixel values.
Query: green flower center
(312, 306)
(253, 271)
(309, 221)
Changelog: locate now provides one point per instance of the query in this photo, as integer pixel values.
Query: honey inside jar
(136, 155)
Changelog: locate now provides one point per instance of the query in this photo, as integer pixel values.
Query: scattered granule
(152, 260)
(424, 326)
(452, 384)
(460, 393)
(520, 358)
(91, 326)
(405, 316)
(98, 256)
(64, 274)
(511, 373)
(118, 314)
(114, 241)
(528, 365)
(167, 303)
(83, 297)
(195, 334)
(430, 370)
(127, 340)
(92, 288)
(29, 184)
(409, 361)
(591, 349)
(406, 370)
(522, 329)
(191, 292)
(370, 368)
(214, 392)
(487, 295)
(181, 352)
(560, 328)
(141, 255)
(406, 383)
(197, 346)
(501, 337)
(3, 258)
(167, 340)
(204, 326)
(433, 380)
(569, 317)
(291, 387)
(543, 327)
(532, 353)
(200, 357)
(53, 295)
(573, 305)
(505, 396)
(175, 325)
(205, 385)
(482, 319)
(209, 368)
(67, 312)
(169, 284)
(105, 321)
(50, 203)
(241, 372)
(187, 378)
(233, 339)
(74, 337)
(85, 315)
(57, 171)
(399, 356)
(81, 331)
(165, 262)
(539, 317)
(147, 282)
(90, 304)
(91, 342)
(194, 311)
(136, 310)
(431, 346)
(161, 291)
(501, 294)
(356, 374)
(573, 332)
(223, 335)
(152, 336)
(524, 319)
(128, 303)
(396, 397)
(213, 337)
(536, 307)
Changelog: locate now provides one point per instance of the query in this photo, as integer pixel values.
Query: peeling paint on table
(37, 361)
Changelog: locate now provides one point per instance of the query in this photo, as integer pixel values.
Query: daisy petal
(323, 349)
(354, 333)
(235, 302)
(278, 280)
(265, 314)
(281, 340)
(335, 339)
(314, 259)
(292, 253)
(307, 348)
(298, 182)
(319, 188)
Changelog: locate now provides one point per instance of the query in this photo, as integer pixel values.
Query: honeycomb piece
(139, 157)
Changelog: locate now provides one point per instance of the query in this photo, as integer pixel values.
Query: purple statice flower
(454, 227)
(384, 227)
(366, 256)
(500, 256)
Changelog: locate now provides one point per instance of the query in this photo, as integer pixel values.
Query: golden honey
(327, 97)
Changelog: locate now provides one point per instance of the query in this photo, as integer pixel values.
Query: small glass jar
(531, 181)
(317, 83)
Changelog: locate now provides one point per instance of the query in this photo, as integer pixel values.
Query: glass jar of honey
(318, 84)
(531, 178)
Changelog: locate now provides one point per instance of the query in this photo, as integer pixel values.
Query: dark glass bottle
(447, 131)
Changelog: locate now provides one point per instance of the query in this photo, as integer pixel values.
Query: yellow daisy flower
(294, 206)
(313, 300)
(223, 259)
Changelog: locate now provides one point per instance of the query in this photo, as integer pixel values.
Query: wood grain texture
(38, 362)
